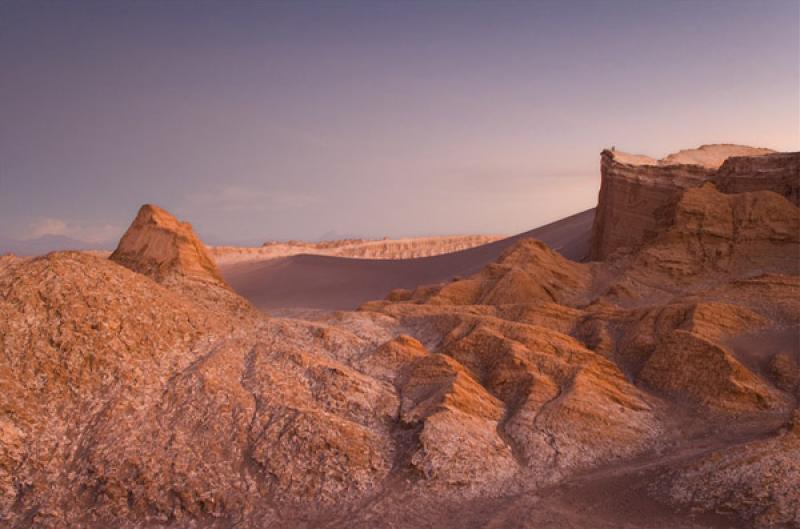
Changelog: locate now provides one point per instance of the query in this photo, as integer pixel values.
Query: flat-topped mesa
(162, 247)
(638, 194)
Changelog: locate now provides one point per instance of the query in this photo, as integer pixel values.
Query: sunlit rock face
(638, 194)
(159, 245)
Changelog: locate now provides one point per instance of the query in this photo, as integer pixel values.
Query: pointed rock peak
(160, 246)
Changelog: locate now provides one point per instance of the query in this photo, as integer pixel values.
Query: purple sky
(258, 120)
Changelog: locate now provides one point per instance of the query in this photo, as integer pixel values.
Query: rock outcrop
(527, 271)
(691, 367)
(122, 399)
(638, 194)
(715, 237)
(160, 246)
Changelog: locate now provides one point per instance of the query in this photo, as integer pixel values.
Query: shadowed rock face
(778, 172)
(536, 392)
(638, 194)
(159, 245)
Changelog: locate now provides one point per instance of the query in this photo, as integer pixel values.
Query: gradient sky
(275, 120)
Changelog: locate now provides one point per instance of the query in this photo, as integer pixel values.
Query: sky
(263, 120)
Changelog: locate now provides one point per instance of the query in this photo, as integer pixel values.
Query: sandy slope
(326, 282)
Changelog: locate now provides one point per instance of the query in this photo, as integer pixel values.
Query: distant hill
(404, 248)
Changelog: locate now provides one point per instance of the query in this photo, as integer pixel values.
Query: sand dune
(339, 283)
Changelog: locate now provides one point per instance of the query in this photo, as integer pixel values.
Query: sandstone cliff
(713, 237)
(778, 172)
(638, 194)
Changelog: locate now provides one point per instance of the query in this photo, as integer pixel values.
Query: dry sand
(339, 283)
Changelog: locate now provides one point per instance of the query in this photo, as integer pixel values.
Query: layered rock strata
(638, 194)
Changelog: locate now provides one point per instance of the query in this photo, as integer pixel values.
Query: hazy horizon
(258, 121)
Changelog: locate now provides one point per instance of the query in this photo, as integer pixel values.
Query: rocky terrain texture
(638, 194)
(406, 248)
(655, 389)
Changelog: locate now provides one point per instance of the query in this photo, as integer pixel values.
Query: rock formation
(537, 392)
(714, 236)
(158, 245)
(638, 194)
(162, 409)
(778, 172)
(527, 271)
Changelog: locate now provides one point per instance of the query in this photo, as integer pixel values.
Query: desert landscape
(370, 264)
(637, 365)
